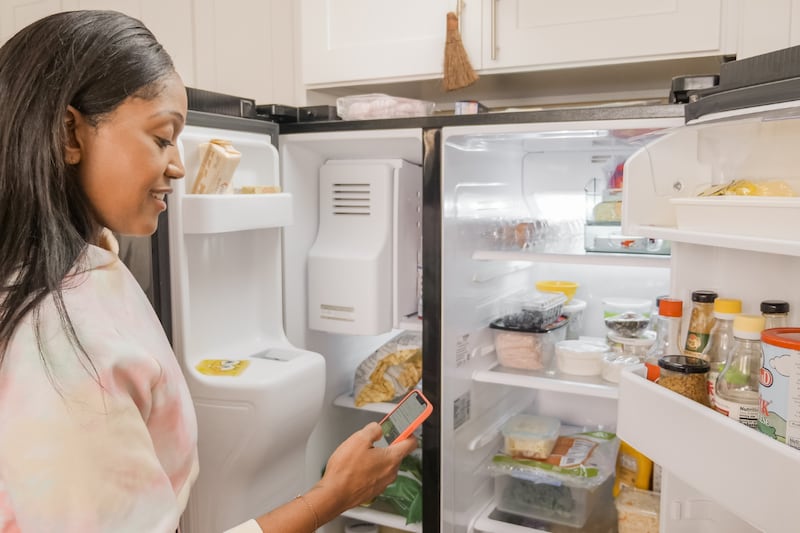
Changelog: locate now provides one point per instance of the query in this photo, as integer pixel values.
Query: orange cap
(670, 307)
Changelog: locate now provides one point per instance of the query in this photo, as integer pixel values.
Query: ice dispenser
(362, 266)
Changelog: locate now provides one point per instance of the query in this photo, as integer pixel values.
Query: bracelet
(310, 508)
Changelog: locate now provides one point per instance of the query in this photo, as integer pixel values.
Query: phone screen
(406, 412)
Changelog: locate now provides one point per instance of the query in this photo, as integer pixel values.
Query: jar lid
(728, 306)
(670, 307)
(685, 364)
(748, 326)
(706, 297)
(774, 306)
(782, 337)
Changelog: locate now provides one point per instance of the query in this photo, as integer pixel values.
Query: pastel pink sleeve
(82, 459)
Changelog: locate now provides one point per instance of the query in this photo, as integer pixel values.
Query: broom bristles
(458, 71)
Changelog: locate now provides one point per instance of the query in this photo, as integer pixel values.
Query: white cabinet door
(246, 48)
(347, 41)
(170, 22)
(544, 34)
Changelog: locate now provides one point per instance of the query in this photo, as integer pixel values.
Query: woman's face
(127, 161)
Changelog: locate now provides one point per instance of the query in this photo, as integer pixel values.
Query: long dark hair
(93, 61)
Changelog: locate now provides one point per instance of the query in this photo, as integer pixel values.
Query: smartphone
(410, 412)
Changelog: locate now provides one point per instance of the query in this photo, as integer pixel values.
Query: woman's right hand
(358, 472)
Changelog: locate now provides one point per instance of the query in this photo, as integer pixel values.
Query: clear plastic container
(616, 306)
(532, 310)
(559, 504)
(376, 105)
(574, 311)
(637, 346)
(527, 349)
(530, 436)
(637, 510)
(580, 358)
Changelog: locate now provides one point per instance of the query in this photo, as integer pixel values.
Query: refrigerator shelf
(578, 258)
(709, 452)
(555, 381)
(486, 524)
(347, 400)
(382, 519)
(221, 213)
(722, 240)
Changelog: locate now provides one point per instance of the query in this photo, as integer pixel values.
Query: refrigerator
(241, 268)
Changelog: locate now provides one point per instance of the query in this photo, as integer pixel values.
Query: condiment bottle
(686, 375)
(775, 313)
(720, 340)
(668, 327)
(701, 320)
(736, 389)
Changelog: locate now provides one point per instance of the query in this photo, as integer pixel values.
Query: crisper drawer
(746, 473)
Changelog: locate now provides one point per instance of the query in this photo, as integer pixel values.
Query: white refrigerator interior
(257, 396)
(389, 159)
(514, 212)
(719, 474)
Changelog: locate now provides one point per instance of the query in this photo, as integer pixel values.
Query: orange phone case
(417, 421)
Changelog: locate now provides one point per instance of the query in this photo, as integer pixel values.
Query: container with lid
(736, 388)
(668, 327)
(614, 364)
(530, 310)
(574, 311)
(720, 340)
(775, 313)
(616, 306)
(530, 436)
(779, 380)
(637, 510)
(685, 375)
(637, 346)
(526, 348)
(701, 319)
(580, 358)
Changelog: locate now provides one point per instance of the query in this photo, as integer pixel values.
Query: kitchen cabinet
(242, 47)
(540, 34)
(350, 41)
(504, 36)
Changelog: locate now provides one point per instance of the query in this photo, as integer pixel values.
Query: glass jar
(701, 319)
(686, 375)
(736, 389)
(720, 340)
(775, 313)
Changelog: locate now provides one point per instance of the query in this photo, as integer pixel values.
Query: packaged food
(532, 310)
(780, 378)
(217, 165)
(527, 349)
(637, 510)
(634, 469)
(685, 375)
(701, 320)
(580, 358)
(389, 372)
(574, 311)
(376, 105)
(750, 188)
(627, 324)
(530, 436)
(258, 189)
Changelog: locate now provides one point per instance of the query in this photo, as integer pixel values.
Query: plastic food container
(580, 358)
(532, 310)
(636, 346)
(627, 324)
(685, 375)
(779, 417)
(574, 310)
(637, 510)
(530, 436)
(616, 306)
(376, 105)
(568, 288)
(613, 364)
(528, 349)
(559, 504)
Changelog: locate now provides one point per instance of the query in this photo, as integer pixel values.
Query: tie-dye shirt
(78, 457)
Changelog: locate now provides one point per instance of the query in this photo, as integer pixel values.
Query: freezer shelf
(382, 519)
(555, 381)
(759, 477)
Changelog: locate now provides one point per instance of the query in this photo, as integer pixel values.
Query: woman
(97, 429)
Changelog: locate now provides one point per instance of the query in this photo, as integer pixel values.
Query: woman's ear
(72, 147)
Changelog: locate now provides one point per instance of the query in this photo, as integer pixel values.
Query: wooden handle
(452, 22)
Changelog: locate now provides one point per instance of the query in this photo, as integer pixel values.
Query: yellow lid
(749, 324)
(729, 306)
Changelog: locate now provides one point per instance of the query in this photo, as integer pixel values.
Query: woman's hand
(358, 472)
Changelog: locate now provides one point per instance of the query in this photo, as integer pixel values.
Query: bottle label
(696, 342)
(744, 413)
(711, 382)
